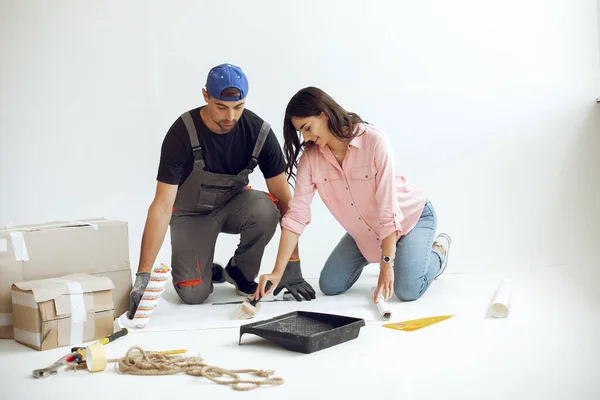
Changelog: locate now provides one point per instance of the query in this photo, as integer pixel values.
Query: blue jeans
(415, 265)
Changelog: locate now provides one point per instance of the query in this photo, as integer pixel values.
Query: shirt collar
(357, 142)
(358, 139)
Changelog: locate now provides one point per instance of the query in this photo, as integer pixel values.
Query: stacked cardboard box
(98, 247)
(64, 311)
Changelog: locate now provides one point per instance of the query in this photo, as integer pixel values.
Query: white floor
(548, 348)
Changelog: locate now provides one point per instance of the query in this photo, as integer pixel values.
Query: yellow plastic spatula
(414, 324)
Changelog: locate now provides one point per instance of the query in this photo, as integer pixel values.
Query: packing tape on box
(32, 338)
(95, 357)
(78, 314)
(6, 319)
(24, 299)
(21, 335)
(18, 241)
(19, 246)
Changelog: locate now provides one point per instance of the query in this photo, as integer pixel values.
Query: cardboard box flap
(93, 222)
(52, 288)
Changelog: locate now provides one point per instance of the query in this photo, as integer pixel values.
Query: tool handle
(268, 285)
(114, 336)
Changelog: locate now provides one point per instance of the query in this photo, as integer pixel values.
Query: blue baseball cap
(226, 76)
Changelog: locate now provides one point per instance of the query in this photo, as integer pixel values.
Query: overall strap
(260, 141)
(196, 148)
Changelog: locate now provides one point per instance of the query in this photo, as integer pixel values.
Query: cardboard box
(98, 247)
(64, 311)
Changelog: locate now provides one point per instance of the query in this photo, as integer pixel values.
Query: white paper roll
(501, 300)
(382, 306)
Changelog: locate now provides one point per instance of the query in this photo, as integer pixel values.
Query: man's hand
(135, 296)
(385, 284)
(293, 281)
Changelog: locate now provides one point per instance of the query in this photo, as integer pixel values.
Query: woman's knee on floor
(330, 288)
(329, 285)
(193, 294)
(407, 291)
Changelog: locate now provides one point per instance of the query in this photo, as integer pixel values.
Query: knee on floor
(329, 287)
(407, 292)
(193, 294)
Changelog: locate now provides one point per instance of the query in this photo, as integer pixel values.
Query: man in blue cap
(202, 190)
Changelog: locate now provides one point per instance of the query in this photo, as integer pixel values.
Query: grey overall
(209, 203)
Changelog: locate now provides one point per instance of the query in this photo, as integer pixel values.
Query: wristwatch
(387, 259)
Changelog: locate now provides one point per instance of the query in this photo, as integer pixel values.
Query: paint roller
(156, 286)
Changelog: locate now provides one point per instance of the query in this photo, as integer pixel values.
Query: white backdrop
(490, 107)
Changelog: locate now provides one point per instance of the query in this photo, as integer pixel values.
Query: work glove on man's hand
(293, 281)
(137, 291)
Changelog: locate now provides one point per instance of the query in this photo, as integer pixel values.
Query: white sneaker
(444, 241)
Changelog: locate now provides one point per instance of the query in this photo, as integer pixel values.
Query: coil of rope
(139, 362)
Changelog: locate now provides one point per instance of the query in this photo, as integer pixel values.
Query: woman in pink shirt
(387, 220)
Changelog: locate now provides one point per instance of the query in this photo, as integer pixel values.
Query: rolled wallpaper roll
(382, 306)
(501, 302)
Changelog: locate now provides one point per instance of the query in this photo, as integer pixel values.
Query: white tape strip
(18, 243)
(32, 338)
(3, 245)
(78, 315)
(24, 299)
(6, 319)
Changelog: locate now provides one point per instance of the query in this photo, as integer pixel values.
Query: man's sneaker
(234, 276)
(217, 273)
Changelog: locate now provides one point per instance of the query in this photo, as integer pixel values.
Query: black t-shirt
(226, 153)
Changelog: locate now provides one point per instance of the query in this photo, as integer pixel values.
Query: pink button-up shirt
(366, 195)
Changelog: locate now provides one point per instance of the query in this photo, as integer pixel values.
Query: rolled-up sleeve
(390, 215)
(298, 214)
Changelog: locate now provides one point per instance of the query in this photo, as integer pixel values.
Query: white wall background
(490, 107)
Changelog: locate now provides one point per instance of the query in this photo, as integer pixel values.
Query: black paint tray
(304, 331)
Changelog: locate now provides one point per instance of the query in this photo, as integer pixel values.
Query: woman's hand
(385, 285)
(261, 290)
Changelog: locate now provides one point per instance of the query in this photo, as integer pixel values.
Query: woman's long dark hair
(309, 102)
